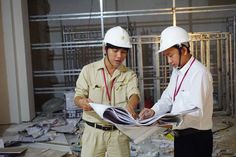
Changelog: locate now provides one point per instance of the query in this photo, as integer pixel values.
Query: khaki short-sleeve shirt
(90, 84)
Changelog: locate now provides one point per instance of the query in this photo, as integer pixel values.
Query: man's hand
(132, 105)
(146, 113)
(83, 103)
(132, 112)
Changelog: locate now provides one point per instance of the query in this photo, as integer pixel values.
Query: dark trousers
(193, 143)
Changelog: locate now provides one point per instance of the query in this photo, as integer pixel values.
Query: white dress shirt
(196, 91)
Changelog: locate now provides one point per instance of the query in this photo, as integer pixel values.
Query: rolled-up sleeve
(132, 87)
(82, 86)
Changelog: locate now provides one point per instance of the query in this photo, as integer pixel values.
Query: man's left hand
(132, 112)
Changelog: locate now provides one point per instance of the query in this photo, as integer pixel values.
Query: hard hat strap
(106, 54)
(179, 47)
(180, 54)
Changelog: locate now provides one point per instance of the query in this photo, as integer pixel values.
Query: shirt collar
(100, 64)
(186, 66)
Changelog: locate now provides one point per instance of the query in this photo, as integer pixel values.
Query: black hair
(115, 47)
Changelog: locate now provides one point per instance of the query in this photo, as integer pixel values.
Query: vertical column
(208, 52)
(234, 41)
(10, 58)
(4, 96)
(227, 72)
(174, 12)
(219, 71)
(231, 81)
(18, 59)
(156, 66)
(140, 71)
(102, 22)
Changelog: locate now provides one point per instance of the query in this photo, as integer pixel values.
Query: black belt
(105, 128)
(188, 131)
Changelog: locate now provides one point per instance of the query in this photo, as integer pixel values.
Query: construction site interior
(44, 44)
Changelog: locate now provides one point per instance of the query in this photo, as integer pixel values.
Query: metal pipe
(231, 81)
(66, 46)
(157, 81)
(46, 73)
(102, 22)
(98, 43)
(219, 72)
(112, 14)
(208, 56)
(202, 51)
(227, 72)
(234, 44)
(200, 41)
(140, 70)
(69, 43)
(174, 13)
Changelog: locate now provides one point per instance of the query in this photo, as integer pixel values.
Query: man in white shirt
(190, 86)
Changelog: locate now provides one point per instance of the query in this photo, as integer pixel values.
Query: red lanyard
(107, 91)
(177, 89)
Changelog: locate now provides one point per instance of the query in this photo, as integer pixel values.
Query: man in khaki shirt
(109, 82)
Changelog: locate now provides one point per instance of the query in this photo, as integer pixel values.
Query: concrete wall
(16, 56)
(4, 112)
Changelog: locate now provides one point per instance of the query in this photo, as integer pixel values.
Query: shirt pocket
(186, 98)
(96, 93)
(120, 94)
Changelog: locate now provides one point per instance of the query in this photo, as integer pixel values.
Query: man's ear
(105, 49)
(184, 50)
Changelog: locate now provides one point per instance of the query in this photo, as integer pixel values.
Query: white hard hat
(117, 36)
(171, 36)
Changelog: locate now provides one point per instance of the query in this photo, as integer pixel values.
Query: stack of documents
(137, 130)
(118, 115)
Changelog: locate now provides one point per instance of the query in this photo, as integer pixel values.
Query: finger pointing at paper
(146, 113)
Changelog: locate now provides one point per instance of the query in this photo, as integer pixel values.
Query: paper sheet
(137, 129)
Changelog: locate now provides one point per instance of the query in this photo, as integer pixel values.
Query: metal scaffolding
(212, 49)
(80, 47)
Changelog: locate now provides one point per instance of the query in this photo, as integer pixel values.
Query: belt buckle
(107, 128)
(113, 128)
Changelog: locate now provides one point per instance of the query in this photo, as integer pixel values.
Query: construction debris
(62, 138)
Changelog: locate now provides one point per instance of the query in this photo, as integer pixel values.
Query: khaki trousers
(97, 143)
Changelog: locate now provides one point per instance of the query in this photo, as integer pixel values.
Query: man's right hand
(146, 113)
(84, 103)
